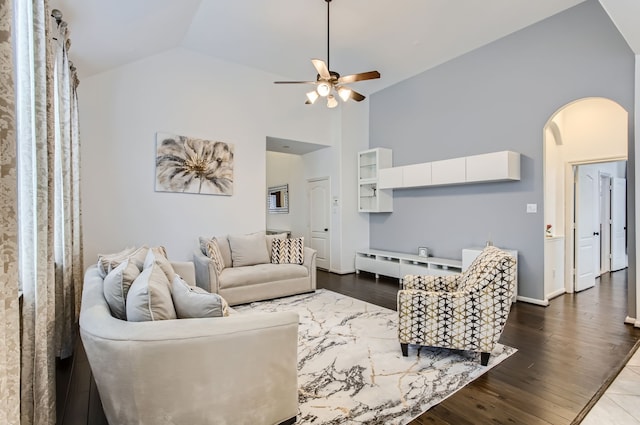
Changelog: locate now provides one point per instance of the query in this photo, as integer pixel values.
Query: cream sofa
(255, 282)
(240, 369)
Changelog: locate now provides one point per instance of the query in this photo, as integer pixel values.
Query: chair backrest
(492, 264)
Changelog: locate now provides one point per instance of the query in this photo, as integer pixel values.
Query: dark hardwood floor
(567, 354)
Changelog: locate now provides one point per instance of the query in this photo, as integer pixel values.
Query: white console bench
(397, 264)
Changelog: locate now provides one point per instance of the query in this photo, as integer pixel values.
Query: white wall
(185, 93)
(283, 168)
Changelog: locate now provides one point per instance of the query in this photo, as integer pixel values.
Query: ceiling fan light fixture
(331, 101)
(323, 89)
(312, 96)
(344, 93)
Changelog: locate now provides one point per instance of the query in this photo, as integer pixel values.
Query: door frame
(569, 210)
(308, 223)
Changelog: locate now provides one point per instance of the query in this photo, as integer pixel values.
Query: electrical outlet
(532, 208)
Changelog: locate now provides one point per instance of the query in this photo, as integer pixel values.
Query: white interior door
(618, 224)
(585, 229)
(605, 223)
(319, 205)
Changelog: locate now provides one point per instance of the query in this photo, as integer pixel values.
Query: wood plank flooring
(567, 353)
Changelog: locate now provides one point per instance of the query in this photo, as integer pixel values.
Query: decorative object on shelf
(189, 165)
(547, 231)
(329, 83)
(278, 199)
(423, 251)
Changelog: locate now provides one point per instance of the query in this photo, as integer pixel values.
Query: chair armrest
(310, 263)
(206, 275)
(446, 283)
(186, 270)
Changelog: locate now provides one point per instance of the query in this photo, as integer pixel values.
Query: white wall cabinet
(448, 171)
(495, 166)
(372, 198)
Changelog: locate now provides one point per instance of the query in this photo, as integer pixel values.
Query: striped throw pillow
(287, 251)
(216, 256)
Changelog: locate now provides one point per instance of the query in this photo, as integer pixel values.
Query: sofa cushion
(116, 287)
(149, 296)
(158, 255)
(247, 250)
(194, 302)
(213, 252)
(270, 239)
(288, 251)
(260, 273)
(108, 262)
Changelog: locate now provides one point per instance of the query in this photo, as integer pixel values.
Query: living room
(498, 96)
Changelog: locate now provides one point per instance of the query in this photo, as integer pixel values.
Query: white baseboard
(535, 301)
(631, 321)
(556, 293)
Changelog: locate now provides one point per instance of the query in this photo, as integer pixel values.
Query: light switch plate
(532, 208)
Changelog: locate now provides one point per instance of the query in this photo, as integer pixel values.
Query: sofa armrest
(310, 263)
(147, 372)
(186, 270)
(206, 275)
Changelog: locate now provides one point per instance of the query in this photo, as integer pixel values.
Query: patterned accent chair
(462, 312)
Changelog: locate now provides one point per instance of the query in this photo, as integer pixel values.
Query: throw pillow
(193, 302)
(158, 255)
(149, 296)
(116, 287)
(288, 251)
(223, 246)
(214, 253)
(270, 239)
(106, 262)
(247, 250)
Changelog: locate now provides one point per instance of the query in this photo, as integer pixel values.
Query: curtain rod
(55, 13)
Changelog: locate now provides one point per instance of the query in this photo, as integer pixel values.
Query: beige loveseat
(247, 273)
(240, 369)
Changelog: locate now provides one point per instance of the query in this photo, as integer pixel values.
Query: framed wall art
(190, 165)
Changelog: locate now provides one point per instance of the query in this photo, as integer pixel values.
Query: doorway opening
(582, 133)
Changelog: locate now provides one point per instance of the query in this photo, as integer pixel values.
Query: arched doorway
(586, 131)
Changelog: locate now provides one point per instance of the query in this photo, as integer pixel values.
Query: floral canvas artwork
(190, 165)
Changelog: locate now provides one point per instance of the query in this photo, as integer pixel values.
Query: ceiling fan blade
(322, 69)
(294, 82)
(359, 77)
(357, 96)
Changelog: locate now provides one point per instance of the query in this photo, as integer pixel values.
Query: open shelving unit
(397, 264)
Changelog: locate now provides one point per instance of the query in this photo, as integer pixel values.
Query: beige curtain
(9, 306)
(50, 255)
(67, 234)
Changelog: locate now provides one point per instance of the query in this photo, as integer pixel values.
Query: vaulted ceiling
(400, 39)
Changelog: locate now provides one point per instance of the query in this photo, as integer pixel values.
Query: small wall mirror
(278, 199)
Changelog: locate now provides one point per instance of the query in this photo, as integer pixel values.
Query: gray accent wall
(497, 97)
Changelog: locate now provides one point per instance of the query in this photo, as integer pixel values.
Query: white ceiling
(400, 39)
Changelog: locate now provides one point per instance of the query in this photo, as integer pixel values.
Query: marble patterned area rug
(351, 369)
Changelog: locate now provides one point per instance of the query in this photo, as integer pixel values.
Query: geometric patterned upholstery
(463, 312)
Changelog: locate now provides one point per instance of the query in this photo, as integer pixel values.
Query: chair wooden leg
(405, 349)
(484, 358)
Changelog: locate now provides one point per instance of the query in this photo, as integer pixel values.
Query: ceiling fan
(329, 82)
